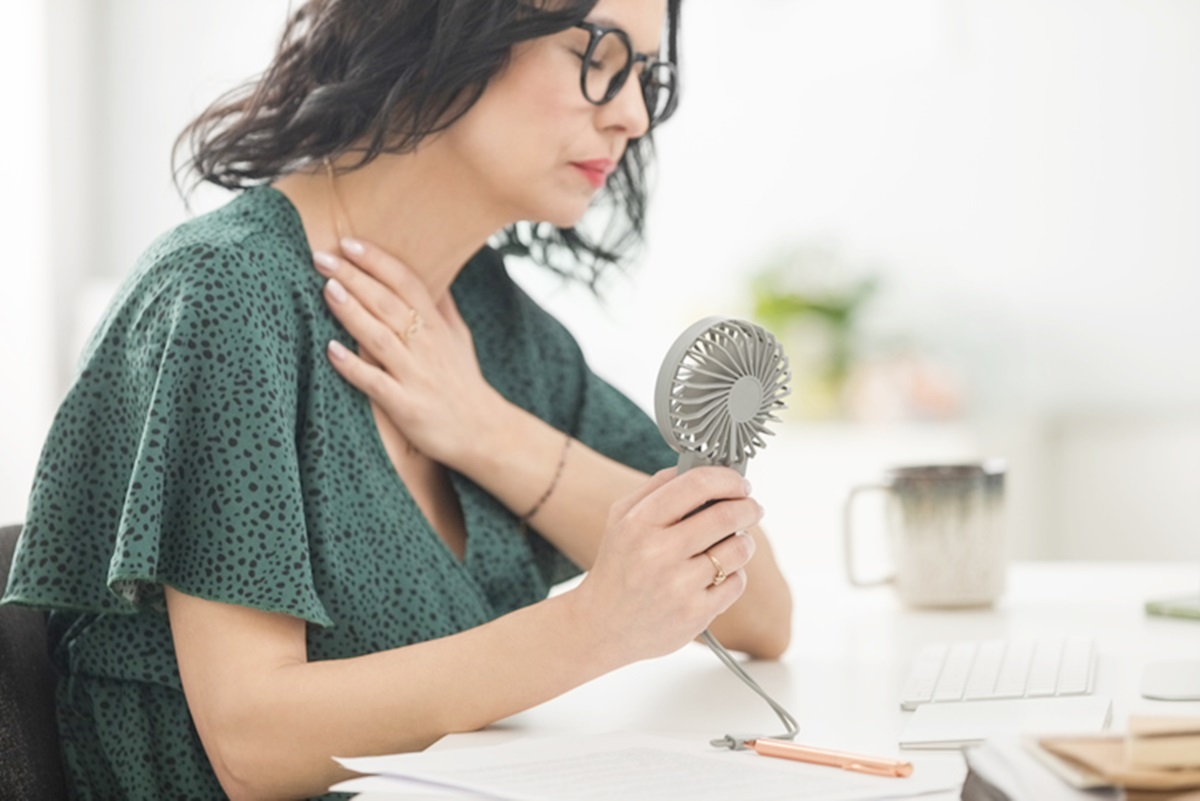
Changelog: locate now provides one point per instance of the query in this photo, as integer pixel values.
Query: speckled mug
(946, 530)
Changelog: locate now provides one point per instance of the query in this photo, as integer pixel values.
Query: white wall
(26, 299)
(163, 64)
(1023, 173)
(1025, 176)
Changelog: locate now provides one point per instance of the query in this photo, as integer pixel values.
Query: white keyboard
(984, 670)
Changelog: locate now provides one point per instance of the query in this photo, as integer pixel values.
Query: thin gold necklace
(338, 212)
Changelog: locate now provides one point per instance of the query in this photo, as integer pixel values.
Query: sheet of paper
(608, 766)
(1008, 765)
(368, 787)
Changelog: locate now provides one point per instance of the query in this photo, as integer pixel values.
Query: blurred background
(974, 224)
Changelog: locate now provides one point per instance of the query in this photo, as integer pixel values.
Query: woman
(323, 459)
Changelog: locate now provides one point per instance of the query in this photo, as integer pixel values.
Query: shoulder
(243, 270)
(255, 238)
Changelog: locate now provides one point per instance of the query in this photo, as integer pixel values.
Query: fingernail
(337, 290)
(337, 350)
(749, 488)
(353, 247)
(750, 541)
(326, 262)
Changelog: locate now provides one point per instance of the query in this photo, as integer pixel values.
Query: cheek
(536, 105)
(515, 146)
(519, 136)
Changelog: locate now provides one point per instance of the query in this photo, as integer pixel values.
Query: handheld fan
(718, 387)
(720, 384)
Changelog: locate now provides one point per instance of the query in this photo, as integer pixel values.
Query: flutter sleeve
(173, 458)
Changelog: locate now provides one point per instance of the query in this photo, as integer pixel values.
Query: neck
(412, 205)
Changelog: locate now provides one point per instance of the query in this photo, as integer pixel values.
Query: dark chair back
(30, 757)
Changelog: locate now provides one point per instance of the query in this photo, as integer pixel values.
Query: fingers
(713, 524)
(374, 337)
(723, 560)
(692, 490)
(374, 297)
(700, 507)
(388, 276)
(363, 376)
(724, 595)
(623, 506)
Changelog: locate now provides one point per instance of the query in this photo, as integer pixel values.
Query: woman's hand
(416, 358)
(651, 588)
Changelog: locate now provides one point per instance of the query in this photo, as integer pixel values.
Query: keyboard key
(953, 679)
(1075, 674)
(1043, 673)
(986, 671)
(1014, 671)
(924, 676)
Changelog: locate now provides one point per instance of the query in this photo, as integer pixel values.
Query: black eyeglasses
(607, 63)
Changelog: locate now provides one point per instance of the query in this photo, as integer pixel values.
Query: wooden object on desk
(1163, 742)
(1106, 757)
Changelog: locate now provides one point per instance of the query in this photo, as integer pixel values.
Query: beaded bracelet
(562, 460)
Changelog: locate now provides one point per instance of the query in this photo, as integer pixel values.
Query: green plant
(814, 300)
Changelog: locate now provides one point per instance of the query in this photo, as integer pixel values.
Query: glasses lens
(605, 72)
(658, 88)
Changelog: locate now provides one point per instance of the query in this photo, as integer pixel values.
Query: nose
(627, 110)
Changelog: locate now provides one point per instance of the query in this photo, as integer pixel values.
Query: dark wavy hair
(389, 73)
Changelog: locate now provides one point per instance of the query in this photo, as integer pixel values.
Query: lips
(596, 171)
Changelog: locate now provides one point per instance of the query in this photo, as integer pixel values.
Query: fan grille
(728, 385)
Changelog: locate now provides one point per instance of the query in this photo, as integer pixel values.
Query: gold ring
(414, 325)
(720, 575)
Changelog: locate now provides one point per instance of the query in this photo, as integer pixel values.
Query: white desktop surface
(851, 651)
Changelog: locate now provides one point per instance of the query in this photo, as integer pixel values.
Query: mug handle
(848, 534)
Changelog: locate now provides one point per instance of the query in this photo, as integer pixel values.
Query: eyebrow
(609, 22)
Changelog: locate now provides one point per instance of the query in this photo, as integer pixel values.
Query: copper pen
(768, 746)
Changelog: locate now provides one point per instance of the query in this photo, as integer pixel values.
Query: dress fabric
(207, 443)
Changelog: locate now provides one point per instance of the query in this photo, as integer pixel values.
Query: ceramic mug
(946, 531)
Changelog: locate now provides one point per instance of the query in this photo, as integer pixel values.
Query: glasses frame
(595, 33)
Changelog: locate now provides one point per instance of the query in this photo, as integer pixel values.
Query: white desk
(852, 649)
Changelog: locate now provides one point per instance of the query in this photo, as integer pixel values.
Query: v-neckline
(381, 453)
(365, 408)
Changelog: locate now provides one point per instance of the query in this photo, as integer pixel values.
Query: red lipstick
(596, 171)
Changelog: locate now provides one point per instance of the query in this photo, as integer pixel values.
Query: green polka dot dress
(206, 443)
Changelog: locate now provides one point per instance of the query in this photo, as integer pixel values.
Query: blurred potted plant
(813, 301)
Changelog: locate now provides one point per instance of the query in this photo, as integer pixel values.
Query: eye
(593, 63)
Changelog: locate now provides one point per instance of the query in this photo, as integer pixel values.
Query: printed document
(622, 765)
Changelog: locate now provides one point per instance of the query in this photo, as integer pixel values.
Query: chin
(563, 207)
(564, 215)
(558, 217)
